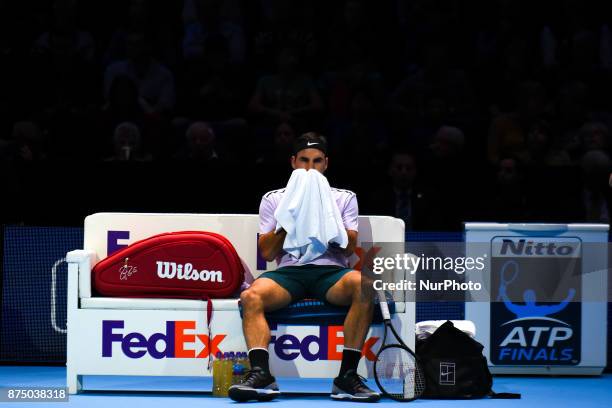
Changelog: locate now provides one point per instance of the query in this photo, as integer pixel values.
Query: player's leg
(351, 290)
(266, 294)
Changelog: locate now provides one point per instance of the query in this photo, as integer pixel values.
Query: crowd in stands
(436, 111)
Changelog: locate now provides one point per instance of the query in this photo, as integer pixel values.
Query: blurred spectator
(199, 144)
(61, 74)
(356, 32)
(507, 50)
(496, 99)
(508, 173)
(572, 112)
(137, 19)
(364, 134)
(582, 47)
(124, 105)
(288, 95)
(127, 144)
(596, 199)
(515, 67)
(204, 21)
(27, 144)
(594, 136)
(402, 172)
(150, 18)
(445, 160)
(508, 132)
(437, 92)
(543, 149)
(359, 79)
(154, 81)
(280, 152)
(507, 200)
(123, 100)
(402, 195)
(286, 24)
(448, 144)
(214, 89)
(447, 170)
(64, 31)
(356, 125)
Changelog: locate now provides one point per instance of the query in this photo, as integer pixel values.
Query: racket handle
(384, 309)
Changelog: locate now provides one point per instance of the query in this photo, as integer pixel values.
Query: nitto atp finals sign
(535, 331)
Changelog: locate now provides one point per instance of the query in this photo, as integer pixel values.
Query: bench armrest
(84, 261)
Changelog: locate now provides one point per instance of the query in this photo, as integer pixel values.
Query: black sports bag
(455, 367)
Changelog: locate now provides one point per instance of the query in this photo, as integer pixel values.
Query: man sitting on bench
(327, 278)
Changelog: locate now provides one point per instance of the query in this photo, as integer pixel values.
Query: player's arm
(350, 214)
(270, 240)
(352, 242)
(271, 243)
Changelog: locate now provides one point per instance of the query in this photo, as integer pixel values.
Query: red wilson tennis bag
(189, 264)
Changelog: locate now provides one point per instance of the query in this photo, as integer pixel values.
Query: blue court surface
(182, 392)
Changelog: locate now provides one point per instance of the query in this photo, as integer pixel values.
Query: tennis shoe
(351, 387)
(256, 384)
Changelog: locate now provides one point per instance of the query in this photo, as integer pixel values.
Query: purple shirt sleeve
(350, 212)
(267, 222)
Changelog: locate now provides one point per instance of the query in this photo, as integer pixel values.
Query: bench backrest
(107, 232)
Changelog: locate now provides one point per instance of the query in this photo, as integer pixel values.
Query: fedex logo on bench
(324, 346)
(178, 341)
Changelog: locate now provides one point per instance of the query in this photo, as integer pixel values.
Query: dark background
(436, 111)
(500, 109)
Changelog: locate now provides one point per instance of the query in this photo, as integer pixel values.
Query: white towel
(310, 215)
(426, 328)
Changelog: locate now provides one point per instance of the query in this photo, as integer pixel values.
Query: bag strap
(209, 313)
(503, 395)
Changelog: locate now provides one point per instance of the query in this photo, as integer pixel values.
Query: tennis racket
(506, 279)
(397, 370)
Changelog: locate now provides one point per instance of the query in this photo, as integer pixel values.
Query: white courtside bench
(167, 337)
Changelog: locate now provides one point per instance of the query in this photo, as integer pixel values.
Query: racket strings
(399, 374)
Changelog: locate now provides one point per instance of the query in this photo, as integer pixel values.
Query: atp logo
(535, 332)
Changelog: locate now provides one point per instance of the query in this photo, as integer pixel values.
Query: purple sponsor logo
(135, 345)
(288, 347)
(112, 241)
(324, 346)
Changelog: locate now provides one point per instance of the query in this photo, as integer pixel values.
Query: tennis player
(327, 278)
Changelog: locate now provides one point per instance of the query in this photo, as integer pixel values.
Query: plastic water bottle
(238, 369)
(217, 374)
(245, 361)
(232, 358)
(226, 378)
